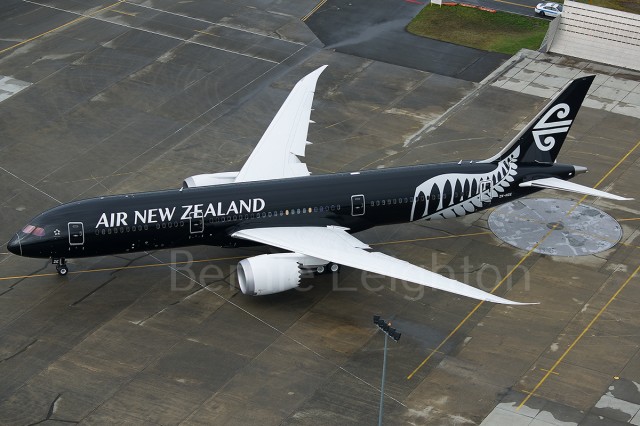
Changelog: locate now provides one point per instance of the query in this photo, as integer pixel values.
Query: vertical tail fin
(542, 138)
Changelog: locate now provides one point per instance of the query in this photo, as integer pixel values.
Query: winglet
(276, 155)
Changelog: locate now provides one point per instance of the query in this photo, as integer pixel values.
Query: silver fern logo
(551, 124)
(456, 194)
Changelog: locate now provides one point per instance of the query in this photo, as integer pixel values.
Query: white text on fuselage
(168, 214)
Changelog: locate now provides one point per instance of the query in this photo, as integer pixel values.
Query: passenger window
(129, 229)
(109, 231)
(338, 207)
(406, 200)
(384, 202)
(333, 208)
(422, 198)
(270, 214)
(146, 227)
(377, 202)
(102, 232)
(297, 211)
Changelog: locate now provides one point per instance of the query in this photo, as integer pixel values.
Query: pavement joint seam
(577, 339)
(526, 256)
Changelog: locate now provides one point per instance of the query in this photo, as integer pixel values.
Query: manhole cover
(562, 228)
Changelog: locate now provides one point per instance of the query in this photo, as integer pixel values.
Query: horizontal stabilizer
(563, 185)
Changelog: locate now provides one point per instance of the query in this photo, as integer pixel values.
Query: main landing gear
(330, 267)
(61, 266)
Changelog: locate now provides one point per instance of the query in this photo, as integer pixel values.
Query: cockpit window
(30, 229)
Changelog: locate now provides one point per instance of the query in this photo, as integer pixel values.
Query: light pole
(395, 335)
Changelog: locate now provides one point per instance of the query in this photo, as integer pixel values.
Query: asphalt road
(375, 29)
(521, 7)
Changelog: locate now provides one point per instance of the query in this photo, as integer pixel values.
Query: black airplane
(273, 200)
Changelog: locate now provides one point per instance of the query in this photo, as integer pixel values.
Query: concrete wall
(598, 34)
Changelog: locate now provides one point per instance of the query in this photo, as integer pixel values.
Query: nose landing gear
(61, 266)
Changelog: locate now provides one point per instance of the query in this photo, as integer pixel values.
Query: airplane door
(196, 225)
(485, 191)
(76, 233)
(357, 205)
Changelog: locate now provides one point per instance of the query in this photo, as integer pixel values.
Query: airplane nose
(14, 246)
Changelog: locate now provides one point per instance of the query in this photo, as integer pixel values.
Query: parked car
(549, 9)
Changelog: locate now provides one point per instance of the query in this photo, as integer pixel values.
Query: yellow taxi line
(117, 268)
(314, 10)
(153, 265)
(525, 257)
(78, 19)
(577, 339)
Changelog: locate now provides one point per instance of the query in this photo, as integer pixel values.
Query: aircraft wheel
(62, 270)
(320, 270)
(335, 267)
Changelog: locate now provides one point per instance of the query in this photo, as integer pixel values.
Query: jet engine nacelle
(273, 273)
(209, 179)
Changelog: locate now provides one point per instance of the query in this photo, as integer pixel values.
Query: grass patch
(496, 32)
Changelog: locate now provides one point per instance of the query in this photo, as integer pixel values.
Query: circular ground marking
(563, 228)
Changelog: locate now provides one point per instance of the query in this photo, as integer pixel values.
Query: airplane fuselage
(209, 215)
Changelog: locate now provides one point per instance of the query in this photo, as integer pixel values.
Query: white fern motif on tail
(452, 195)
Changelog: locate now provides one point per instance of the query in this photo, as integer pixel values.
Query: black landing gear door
(76, 233)
(357, 205)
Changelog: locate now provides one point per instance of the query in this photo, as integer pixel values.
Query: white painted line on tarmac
(212, 23)
(153, 32)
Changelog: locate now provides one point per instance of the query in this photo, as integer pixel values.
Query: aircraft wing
(276, 155)
(563, 185)
(334, 244)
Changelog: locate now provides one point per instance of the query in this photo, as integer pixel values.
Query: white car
(549, 9)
